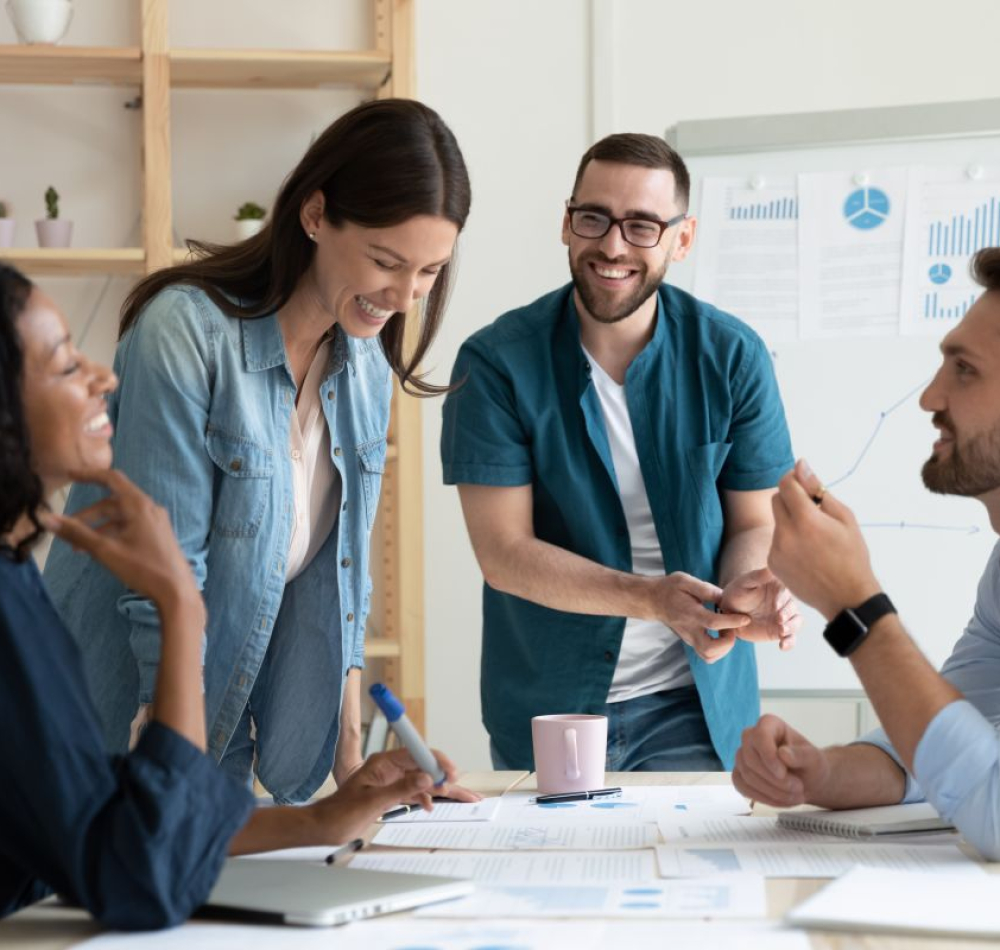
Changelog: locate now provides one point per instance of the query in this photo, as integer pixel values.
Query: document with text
(523, 867)
(471, 836)
(729, 896)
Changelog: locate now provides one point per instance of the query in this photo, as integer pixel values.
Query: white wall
(517, 82)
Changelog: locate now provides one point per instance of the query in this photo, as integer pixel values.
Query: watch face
(848, 629)
(845, 632)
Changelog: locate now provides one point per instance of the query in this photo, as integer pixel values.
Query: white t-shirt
(315, 480)
(652, 656)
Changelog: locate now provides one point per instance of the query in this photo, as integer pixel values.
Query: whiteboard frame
(765, 133)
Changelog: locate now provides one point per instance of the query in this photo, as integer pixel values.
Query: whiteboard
(852, 408)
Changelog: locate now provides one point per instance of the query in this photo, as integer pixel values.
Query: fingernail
(806, 468)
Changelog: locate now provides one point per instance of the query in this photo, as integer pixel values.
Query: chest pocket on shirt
(705, 464)
(371, 457)
(242, 483)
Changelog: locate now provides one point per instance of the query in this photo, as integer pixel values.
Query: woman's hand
(131, 536)
(383, 781)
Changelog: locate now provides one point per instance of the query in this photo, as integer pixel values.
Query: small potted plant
(52, 230)
(6, 226)
(249, 220)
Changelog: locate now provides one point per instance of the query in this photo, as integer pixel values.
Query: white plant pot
(247, 228)
(54, 232)
(40, 21)
(7, 232)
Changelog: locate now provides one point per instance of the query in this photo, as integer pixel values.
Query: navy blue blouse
(138, 840)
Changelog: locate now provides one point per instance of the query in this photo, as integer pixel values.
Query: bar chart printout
(746, 260)
(951, 215)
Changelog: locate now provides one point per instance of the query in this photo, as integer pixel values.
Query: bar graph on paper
(950, 216)
(777, 209)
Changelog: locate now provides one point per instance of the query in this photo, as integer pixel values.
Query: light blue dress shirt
(957, 764)
(201, 418)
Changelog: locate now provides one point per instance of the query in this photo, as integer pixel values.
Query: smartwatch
(847, 631)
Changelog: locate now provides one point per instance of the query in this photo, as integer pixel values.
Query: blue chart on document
(866, 208)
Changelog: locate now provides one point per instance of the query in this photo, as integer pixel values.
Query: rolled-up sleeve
(483, 441)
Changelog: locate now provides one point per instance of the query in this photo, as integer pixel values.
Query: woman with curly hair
(138, 839)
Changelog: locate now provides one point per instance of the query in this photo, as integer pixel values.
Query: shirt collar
(264, 346)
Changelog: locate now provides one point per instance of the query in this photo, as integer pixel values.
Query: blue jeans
(661, 732)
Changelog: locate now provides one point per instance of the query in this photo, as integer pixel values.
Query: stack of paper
(865, 899)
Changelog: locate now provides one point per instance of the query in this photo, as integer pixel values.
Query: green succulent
(3, 210)
(250, 211)
(51, 203)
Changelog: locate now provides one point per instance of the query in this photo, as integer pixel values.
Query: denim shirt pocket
(371, 458)
(242, 483)
(705, 465)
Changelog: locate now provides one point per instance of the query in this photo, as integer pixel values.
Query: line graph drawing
(882, 416)
(901, 525)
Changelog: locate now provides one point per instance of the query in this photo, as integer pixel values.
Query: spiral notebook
(868, 822)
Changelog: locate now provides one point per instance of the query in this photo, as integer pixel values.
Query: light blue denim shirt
(201, 419)
(957, 763)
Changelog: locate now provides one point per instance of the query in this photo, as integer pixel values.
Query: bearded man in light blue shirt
(940, 740)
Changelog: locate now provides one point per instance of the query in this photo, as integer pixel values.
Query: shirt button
(338, 451)
(344, 507)
(296, 454)
(235, 465)
(350, 618)
(331, 395)
(609, 656)
(346, 562)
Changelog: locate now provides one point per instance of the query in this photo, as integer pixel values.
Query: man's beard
(969, 471)
(596, 307)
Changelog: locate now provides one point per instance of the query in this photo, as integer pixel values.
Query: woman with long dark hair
(254, 404)
(138, 840)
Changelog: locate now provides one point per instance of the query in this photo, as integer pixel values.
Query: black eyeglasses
(639, 232)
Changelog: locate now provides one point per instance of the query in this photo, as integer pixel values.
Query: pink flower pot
(7, 232)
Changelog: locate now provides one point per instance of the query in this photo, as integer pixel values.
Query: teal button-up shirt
(706, 414)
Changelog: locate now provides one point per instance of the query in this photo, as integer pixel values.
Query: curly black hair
(20, 488)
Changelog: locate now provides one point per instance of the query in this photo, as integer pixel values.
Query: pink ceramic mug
(569, 752)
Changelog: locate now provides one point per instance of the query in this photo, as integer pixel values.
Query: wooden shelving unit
(83, 262)
(396, 638)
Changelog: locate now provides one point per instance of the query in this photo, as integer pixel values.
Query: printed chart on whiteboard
(823, 255)
(952, 215)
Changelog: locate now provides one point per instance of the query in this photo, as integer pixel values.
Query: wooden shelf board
(380, 648)
(74, 262)
(276, 69)
(67, 65)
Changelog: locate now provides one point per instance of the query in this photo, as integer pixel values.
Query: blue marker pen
(405, 731)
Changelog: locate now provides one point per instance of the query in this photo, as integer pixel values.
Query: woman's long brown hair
(378, 165)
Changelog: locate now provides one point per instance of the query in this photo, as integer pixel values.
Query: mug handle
(572, 756)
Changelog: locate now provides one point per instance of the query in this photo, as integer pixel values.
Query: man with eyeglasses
(616, 445)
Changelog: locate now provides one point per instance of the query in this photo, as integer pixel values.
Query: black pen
(343, 851)
(576, 796)
(397, 812)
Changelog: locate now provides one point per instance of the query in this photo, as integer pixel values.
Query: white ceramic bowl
(40, 21)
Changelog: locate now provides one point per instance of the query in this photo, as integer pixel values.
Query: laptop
(316, 895)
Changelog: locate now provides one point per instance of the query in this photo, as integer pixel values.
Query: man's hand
(679, 603)
(773, 612)
(818, 550)
(779, 766)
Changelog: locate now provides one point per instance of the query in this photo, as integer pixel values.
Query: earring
(312, 235)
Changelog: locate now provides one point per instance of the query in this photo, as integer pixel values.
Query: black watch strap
(847, 631)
